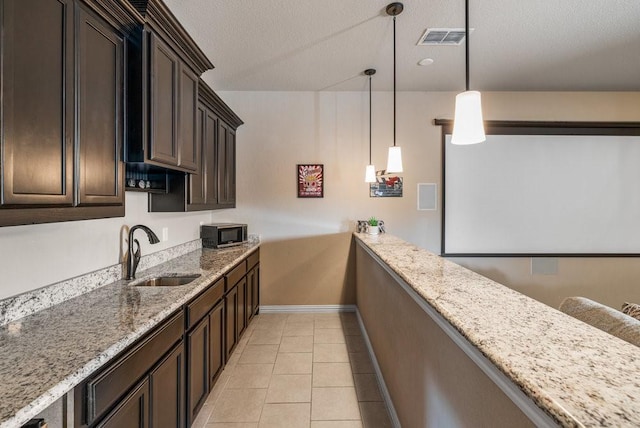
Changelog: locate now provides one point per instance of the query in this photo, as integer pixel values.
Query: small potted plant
(374, 228)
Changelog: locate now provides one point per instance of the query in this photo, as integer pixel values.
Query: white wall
(37, 255)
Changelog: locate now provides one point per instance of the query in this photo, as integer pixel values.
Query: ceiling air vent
(442, 36)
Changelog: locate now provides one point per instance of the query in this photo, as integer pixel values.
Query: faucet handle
(136, 256)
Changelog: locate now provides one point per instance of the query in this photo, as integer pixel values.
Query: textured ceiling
(311, 45)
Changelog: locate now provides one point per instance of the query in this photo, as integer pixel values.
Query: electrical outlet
(165, 234)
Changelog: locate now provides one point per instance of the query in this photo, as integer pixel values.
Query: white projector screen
(542, 194)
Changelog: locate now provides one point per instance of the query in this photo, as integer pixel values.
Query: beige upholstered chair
(603, 317)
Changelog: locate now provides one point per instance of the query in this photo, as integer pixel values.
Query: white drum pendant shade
(468, 125)
(394, 161)
(370, 174)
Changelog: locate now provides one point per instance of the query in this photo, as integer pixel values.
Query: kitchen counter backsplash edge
(15, 307)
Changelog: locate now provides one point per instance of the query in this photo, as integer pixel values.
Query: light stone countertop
(46, 354)
(577, 374)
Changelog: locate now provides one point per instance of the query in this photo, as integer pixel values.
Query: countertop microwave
(220, 235)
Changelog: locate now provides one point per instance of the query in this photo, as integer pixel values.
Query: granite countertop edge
(559, 393)
(43, 399)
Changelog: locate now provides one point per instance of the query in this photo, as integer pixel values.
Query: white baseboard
(272, 309)
(383, 387)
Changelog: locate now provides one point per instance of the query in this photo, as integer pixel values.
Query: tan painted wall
(307, 241)
(431, 381)
(317, 270)
(285, 128)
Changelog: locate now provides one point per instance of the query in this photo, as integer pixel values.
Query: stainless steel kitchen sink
(167, 281)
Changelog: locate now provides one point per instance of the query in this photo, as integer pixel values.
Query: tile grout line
(278, 349)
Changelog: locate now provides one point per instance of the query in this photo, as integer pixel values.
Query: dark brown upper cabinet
(214, 185)
(226, 166)
(189, 146)
(63, 64)
(165, 67)
(37, 107)
(101, 101)
(202, 192)
(163, 70)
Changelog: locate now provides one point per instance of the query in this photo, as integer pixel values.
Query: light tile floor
(307, 370)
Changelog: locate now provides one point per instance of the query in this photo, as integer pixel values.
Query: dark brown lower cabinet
(198, 367)
(253, 286)
(242, 306)
(216, 343)
(231, 306)
(205, 347)
(132, 411)
(164, 379)
(256, 290)
(167, 382)
(156, 361)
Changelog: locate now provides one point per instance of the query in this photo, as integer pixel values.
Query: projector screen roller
(542, 194)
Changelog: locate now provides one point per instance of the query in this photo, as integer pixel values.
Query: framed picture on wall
(310, 180)
(386, 186)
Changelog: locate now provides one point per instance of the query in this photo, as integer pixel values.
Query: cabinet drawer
(236, 275)
(253, 259)
(203, 304)
(131, 411)
(115, 380)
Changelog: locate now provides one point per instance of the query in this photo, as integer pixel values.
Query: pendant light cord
(370, 119)
(466, 29)
(394, 81)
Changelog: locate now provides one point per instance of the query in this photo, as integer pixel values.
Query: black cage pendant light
(468, 125)
(370, 172)
(394, 161)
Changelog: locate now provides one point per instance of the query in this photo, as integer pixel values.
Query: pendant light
(370, 172)
(394, 161)
(468, 126)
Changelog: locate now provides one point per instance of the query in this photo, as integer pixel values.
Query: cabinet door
(216, 343)
(165, 68)
(167, 382)
(231, 323)
(37, 103)
(231, 168)
(211, 161)
(252, 293)
(226, 166)
(249, 300)
(188, 145)
(132, 411)
(242, 306)
(197, 368)
(255, 300)
(197, 185)
(203, 186)
(100, 111)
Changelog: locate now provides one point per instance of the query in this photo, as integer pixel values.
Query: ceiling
(315, 45)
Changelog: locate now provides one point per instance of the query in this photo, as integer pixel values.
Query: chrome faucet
(134, 258)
